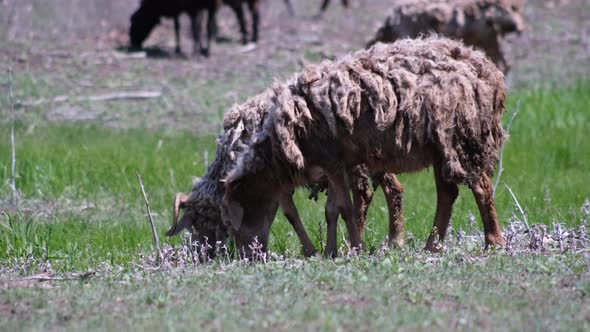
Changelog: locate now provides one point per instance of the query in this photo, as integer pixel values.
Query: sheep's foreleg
(177, 34)
(482, 192)
(341, 191)
(331, 213)
(446, 194)
(290, 211)
(393, 190)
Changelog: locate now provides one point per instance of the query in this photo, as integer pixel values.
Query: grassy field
(82, 199)
(82, 211)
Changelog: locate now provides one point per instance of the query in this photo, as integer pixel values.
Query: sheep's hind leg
(361, 195)
(290, 211)
(446, 194)
(482, 192)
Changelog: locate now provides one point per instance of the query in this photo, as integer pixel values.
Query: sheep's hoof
(310, 253)
(205, 52)
(495, 242)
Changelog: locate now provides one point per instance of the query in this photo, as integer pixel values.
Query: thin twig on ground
(500, 163)
(524, 219)
(129, 95)
(151, 219)
(15, 197)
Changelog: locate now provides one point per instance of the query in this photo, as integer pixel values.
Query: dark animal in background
(481, 23)
(150, 12)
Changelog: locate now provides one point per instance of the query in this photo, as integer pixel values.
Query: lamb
(396, 108)
(481, 23)
(148, 16)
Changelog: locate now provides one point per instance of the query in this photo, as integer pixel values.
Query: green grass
(86, 174)
(397, 291)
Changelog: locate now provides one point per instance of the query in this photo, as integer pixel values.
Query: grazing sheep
(203, 206)
(396, 108)
(147, 16)
(481, 23)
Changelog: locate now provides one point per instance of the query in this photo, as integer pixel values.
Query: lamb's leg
(446, 194)
(482, 192)
(177, 34)
(290, 211)
(393, 195)
(342, 198)
(331, 213)
(255, 12)
(361, 195)
(239, 11)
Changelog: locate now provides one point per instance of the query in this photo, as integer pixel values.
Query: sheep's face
(506, 17)
(202, 217)
(142, 23)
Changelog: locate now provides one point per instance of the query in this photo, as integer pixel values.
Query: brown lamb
(481, 23)
(396, 108)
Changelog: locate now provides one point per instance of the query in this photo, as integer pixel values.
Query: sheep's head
(249, 206)
(505, 16)
(202, 217)
(142, 23)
